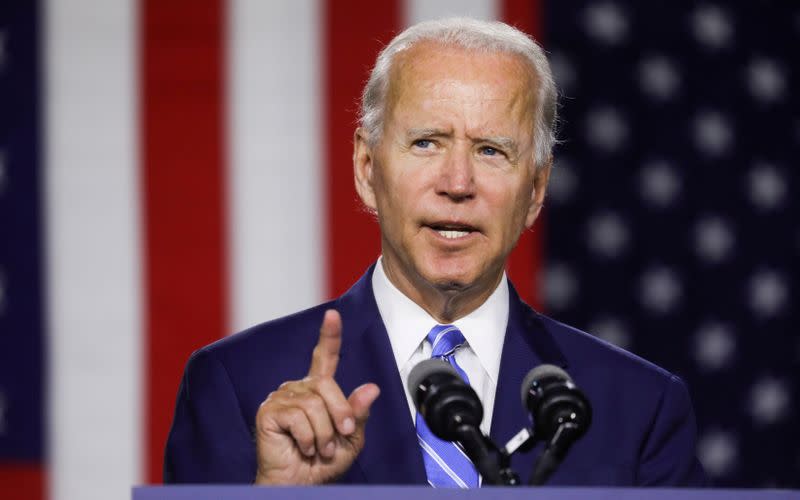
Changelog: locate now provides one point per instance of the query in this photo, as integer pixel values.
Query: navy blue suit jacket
(643, 429)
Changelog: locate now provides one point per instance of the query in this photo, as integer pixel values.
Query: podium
(217, 492)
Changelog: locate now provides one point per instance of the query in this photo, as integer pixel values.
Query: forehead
(430, 72)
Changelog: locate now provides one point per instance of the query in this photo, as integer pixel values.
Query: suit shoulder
(585, 352)
(279, 335)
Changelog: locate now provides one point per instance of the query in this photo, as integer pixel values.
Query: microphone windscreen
(541, 372)
(424, 370)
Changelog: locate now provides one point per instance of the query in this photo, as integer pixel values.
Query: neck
(446, 303)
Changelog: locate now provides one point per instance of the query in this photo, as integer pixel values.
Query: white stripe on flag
(93, 267)
(420, 10)
(276, 177)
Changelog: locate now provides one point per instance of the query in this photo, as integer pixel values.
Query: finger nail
(329, 449)
(348, 426)
(311, 451)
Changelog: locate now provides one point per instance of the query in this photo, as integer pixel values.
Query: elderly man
(453, 156)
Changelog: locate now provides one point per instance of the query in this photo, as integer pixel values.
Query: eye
(422, 143)
(490, 151)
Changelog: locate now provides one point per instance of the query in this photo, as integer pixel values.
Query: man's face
(452, 179)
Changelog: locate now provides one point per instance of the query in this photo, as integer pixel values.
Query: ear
(540, 178)
(363, 167)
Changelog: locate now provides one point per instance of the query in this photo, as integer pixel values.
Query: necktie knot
(445, 339)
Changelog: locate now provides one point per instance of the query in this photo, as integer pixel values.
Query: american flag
(172, 172)
(672, 228)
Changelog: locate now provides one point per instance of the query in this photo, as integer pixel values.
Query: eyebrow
(426, 132)
(506, 143)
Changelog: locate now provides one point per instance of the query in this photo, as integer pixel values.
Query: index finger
(326, 354)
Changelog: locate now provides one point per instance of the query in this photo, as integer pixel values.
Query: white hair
(470, 34)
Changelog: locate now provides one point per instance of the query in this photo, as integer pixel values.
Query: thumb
(361, 400)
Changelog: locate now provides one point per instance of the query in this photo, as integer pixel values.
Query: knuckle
(294, 416)
(313, 403)
(315, 383)
(286, 385)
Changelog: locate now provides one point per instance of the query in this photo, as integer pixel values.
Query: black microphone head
(553, 401)
(540, 373)
(444, 400)
(425, 369)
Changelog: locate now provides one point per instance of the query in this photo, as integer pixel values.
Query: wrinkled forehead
(428, 66)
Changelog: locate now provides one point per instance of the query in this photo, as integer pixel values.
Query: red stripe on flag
(355, 31)
(182, 120)
(22, 481)
(525, 261)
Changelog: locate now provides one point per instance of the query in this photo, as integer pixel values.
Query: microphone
(453, 412)
(561, 414)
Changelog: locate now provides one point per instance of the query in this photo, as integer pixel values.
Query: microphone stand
(553, 454)
(492, 463)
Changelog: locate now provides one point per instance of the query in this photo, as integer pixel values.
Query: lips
(452, 230)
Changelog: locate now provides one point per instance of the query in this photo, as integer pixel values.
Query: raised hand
(307, 432)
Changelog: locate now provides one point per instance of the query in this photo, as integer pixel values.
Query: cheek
(510, 209)
(406, 191)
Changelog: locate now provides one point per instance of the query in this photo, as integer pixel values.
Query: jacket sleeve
(668, 456)
(209, 441)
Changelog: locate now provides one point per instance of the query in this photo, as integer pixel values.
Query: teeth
(453, 234)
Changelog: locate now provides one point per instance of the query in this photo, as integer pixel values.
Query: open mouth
(452, 231)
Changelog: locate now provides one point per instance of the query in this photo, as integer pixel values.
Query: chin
(449, 277)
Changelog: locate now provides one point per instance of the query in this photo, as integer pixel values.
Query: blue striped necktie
(445, 462)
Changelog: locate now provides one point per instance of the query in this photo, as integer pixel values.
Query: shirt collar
(407, 323)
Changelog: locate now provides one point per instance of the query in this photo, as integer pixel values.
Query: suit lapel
(527, 344)
(391, 454)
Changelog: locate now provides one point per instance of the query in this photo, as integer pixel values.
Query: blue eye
(423, 143)
(489, 151)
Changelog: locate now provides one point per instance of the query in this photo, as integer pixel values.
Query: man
(453, 156)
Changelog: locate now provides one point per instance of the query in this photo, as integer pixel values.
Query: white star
(766, 80)
(606, 129)
(611, 330)
(767, 187)
(713, 239)
(607, 234)
(658, 77)
(659, 183)
(563, 182)
(712, 133)
(768, 293)
(560, 286)
(718, 452)
(714, 346)
(660, 290)
(769, 400)
(606, 22)
(563, 71)
(712, 26)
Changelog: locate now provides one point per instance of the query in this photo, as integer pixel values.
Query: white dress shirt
(484, 330)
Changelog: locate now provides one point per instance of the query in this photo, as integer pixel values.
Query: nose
(457, 175)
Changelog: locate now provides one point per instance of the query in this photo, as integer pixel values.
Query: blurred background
(173, 172)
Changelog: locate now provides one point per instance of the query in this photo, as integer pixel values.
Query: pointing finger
(326, 354)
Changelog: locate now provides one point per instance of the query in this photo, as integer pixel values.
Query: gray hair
(470, 34)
